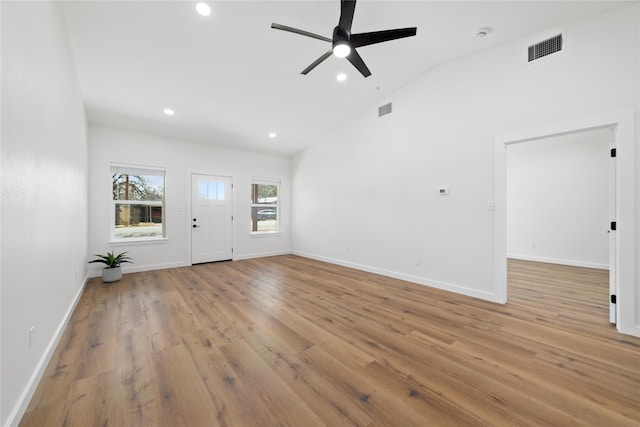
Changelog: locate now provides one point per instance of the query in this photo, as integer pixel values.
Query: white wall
(44, 195)
(558, 199)
(180, 158)
(372, 186)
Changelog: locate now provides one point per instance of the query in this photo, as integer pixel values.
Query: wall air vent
(383, 110)
(546, 47)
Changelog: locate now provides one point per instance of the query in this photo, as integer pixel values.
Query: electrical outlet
(418, 261)
(347, 249)
(532, 246)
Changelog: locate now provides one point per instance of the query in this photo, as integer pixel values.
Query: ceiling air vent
(546, 47)
(383, 110)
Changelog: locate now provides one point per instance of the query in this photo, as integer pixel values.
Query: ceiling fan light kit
(342, 50)
(344, 44)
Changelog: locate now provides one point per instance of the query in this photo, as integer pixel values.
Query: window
(138, 203)
(265, 206)
(211, 190)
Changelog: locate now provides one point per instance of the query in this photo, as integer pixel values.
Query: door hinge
(231, 250)
(614, 224)
(613, 152)
(613, 299)
(231, 217)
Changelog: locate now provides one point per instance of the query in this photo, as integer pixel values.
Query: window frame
(277, 206)
(131, 169)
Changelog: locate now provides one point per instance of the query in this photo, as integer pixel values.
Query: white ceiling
(232, 80)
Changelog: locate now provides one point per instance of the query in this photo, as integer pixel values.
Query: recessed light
(341, 77)
(203, 9)
(169, 111)
(272, 135)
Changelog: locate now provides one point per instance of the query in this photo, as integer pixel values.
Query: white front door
(211, 218)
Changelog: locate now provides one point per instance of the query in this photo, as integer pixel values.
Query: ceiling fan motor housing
(340, 36)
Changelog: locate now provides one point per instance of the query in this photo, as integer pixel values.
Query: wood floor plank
(290, 341)
(383, 405)
(49, 415)
(100, 350)
(232, 400)
(136, 396)
(185, 400)
(316, 390)
(432, 406)
(285, 407)
(166, 318)
(88, 401)
(293, 341)
(313, 388)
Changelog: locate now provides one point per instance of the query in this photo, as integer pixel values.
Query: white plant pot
(111, 274)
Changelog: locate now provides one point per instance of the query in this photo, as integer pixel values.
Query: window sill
(265, 234)
(138, 241)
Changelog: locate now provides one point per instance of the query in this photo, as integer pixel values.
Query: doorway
(211, 218)
(625, 268)
(561, 200)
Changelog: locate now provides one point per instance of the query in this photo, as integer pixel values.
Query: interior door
(612, 237)
(211, 218)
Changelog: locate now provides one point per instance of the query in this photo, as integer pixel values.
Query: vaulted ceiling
(232, 80)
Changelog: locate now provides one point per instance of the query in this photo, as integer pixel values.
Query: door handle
(195, 226)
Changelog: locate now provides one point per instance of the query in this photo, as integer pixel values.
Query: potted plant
(112, 271)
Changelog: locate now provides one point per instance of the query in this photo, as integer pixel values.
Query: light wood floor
(288, 341)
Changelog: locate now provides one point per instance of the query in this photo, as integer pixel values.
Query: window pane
(137, 187)
(211, 190)
(203, 190)
(265, 207)
(138, 207)
(264, 194)
(137, 220)
(264, 219)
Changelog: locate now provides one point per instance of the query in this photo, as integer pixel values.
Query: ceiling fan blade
(357, 62)
(317, 62)
(365, 39)
(347, 9)
(301, 32)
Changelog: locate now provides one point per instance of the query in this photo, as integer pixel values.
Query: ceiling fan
(344, 44)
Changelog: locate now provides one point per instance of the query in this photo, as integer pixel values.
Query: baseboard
(487, 296)
(151, 267)
(261, 255)
(633, 331)
(572, 263)
(23, 402)
(141, 268)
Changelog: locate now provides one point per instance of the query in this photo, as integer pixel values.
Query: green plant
(111, 260)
